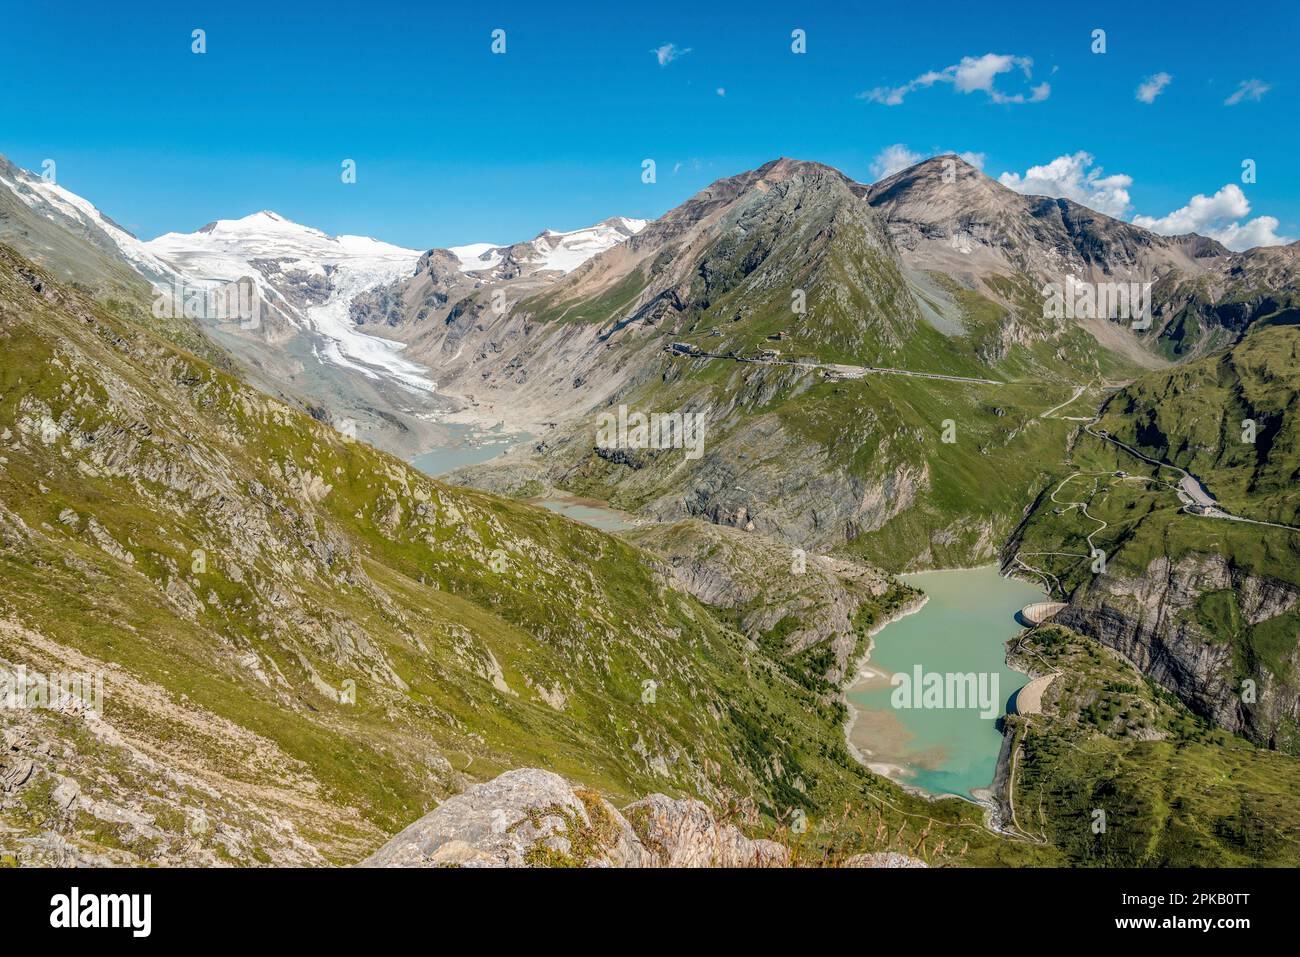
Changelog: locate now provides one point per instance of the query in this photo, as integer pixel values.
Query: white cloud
(1073, 176)
(1222, 216)
(892, 159)
(978, 73)
(895, 158)
(972, 74)
(1218, 217)
(1152, 87)
(1248, 90)
(669, 52)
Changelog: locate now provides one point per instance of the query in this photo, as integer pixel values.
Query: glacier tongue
(346, 345)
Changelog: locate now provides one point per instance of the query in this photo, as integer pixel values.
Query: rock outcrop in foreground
(534, 818)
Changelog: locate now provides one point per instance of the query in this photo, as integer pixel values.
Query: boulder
(883, 859)
(522, 818)
(534, 818)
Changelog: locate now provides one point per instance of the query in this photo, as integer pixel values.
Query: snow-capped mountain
(306, 276)
(549, 251)
(312, 289)
(64, 208)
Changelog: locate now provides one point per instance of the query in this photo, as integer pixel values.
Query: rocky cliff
(1163, 622)
(814, 610)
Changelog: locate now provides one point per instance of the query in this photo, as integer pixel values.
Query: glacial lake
(469, 447)
(588, 511)
(466, 446)
(963, 628)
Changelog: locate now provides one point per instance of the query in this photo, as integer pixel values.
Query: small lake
(467, 446)
(588, 511)
(940, 742)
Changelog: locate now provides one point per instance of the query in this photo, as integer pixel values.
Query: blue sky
(454, 144)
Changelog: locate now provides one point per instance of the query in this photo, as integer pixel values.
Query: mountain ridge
(318, 642)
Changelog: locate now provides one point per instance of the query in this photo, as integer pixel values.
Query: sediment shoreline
(863, 672)
(859, 672)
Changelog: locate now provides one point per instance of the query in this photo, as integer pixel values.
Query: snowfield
(52, 201)
(276, 253)
(551, 250)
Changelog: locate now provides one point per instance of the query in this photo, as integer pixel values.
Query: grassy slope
(869, 429)
(1191, 416)
(99, 272)
(1175, 790)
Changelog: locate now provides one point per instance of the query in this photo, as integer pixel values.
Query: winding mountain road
(838, 368)
(1188, 485)
(1189, 488)
(1077, 392)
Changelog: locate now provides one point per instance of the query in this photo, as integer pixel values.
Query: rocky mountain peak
(941, 189)
(945, 215)
(781, 170)
(785, 167)
(779, 176)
